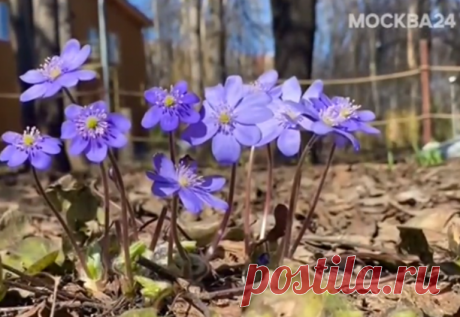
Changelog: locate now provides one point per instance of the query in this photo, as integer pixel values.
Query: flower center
(187, 177)
(28, 140)
(52, 68)
(224, 118)
(30, 136)
(55, 73)
(169, 101)
(92, 123)
(184, 182)
(291, 115)
(341, 110)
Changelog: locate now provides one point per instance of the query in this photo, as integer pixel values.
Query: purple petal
(189, 115)
(52, 89)
(291, 90)
(100, 105)
(310, 110)
(190, 99)
(120, 122)
(164, 189)
(269, 78)
(226, 149)
(78, 145)
(212, 201)
(364, 128)
(40, 161)
(84, 75)
(350, 125)
(17, 158)
(190, 201)
(214, 95)
(255, 99)
(7, 152)
(350, 138)
(247, 135)
(252, 115)
(270, 129)
(71, 48)
(213, 183)
(181, 87)
(289, 142)
(314, 91)
(234, 90)
(198, 133)
(33, 77)
(366, 115)
(77, 60)
(164, 166)
(276, 92)
(169, 122)
(153, 95)
(320, 128)
(305, 123)
(116, 139)
(151, 117)
(34, 92)
(67, 80)
(72, 111)
(11, 137)
(50, 146)
(97, 152)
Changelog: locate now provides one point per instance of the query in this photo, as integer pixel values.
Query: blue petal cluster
(232, 115)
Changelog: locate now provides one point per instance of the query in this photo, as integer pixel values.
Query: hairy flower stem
(307, 221)
(173, 235)
(294, 196)
(124, 220)
(268, 193)
(67, 92)
(159, 226)
(247, 205)
(106, 238)
(73, 241)
(223, 225)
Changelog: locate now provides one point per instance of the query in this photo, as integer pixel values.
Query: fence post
(425, 87)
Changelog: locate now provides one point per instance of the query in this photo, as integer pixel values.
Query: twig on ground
(54, 298)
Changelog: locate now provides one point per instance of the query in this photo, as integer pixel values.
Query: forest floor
(364, 210)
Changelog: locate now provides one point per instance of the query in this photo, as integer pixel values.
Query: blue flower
(30, 146)
(93, 130)
(229, 118)
(170, 108)
(193, 190)
(288, 121)
(58, 72)
(267, 83)
(340, 116)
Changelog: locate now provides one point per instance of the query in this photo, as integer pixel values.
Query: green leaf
(141, 312)
(154, 290)
(36, 253)
(75, 199)
(94, 262)
(14, 226)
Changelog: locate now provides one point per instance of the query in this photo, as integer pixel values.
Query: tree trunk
(294, 24)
